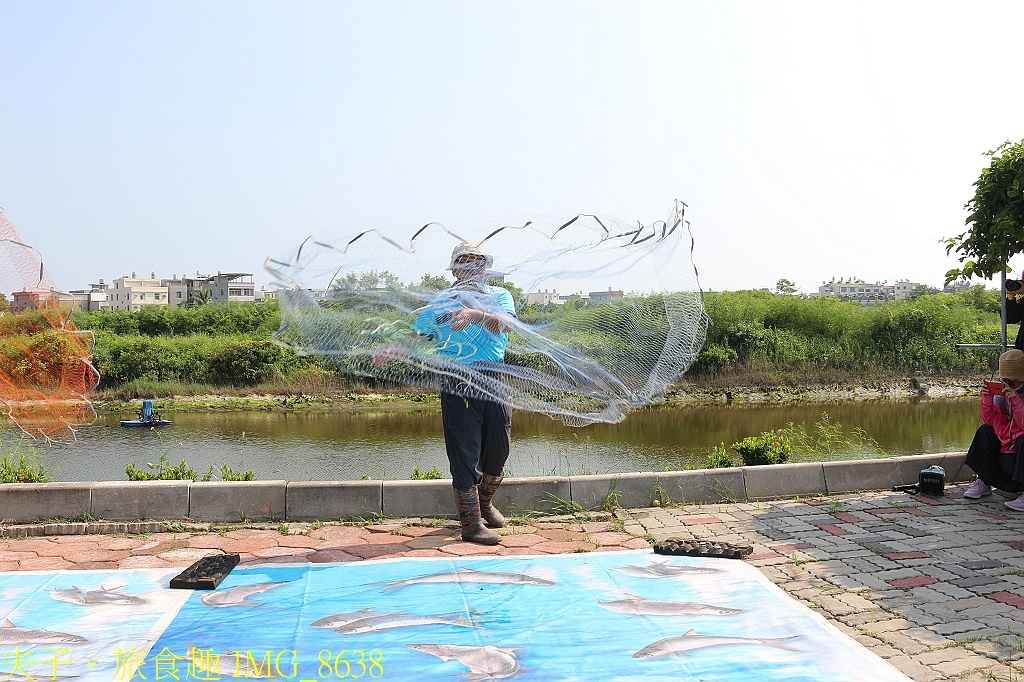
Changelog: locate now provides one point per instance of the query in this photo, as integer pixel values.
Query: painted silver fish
(236, 596)
(400, 620)
(692, 641)
(466, 575)
(484, 662)
(12, 634)
(102, 596)
(338, 619)
(664, 570)
(649, 607)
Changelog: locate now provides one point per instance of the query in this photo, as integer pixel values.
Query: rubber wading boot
(467, 503)
(488, 486)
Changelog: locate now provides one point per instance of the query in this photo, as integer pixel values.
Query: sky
(809, 140)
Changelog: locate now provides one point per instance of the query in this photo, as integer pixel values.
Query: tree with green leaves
(365, 281)
(920, 290)
(5, 305)
(197, 298)
(434, 282)
(996, 216)
(785, 287)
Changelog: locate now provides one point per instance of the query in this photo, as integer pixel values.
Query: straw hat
(1011, 365)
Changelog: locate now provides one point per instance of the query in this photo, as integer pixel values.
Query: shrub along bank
(757, 330)
(752, 332)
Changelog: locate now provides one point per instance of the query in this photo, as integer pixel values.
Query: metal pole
(1002, 298)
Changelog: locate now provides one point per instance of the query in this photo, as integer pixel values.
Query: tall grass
(20, 460)
(755, 338)
(759, 333)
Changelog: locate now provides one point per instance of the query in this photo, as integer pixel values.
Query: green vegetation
(563, 507)
(768, 448)
(229, 474)
(259, 319)
(718, 458)
(161, 471)
(207, 346)
(777, 336)
(164, 471)
(432, 475)
(612, 499)
(756, 337)
(825, 441)
(19, 463)
(996, 216)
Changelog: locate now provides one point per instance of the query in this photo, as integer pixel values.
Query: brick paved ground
(936, 587)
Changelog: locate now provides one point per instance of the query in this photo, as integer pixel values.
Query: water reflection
(389, 443)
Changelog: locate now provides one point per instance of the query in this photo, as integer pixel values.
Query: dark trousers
(997, 469)
(477, 437)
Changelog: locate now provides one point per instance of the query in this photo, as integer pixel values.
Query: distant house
(903, 288)
(223, 287)
(544, 298)
(605, 296)
(93, 298)
(25, 300)
(957, 286)
(866, 293)
(133, 293)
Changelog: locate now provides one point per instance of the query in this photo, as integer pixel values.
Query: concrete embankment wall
(333, 500)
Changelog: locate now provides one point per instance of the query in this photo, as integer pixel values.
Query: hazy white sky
(811, 140)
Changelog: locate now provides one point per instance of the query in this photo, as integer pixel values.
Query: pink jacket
(1009, 427)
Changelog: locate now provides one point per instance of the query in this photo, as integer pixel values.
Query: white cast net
(607, 315)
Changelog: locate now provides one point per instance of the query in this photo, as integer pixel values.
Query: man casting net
(601, 317)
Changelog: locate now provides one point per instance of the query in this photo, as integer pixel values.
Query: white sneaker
(1016, 505)
(979, 489)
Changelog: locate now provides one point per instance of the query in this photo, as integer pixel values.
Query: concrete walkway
(935, 586)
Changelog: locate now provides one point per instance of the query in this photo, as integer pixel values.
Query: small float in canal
(147, 417)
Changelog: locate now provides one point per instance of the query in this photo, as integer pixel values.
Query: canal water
(389, 444)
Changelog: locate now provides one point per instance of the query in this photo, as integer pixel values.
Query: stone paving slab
(934, 586)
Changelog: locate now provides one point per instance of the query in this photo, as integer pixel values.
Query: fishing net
(602, 317)
(46, 371)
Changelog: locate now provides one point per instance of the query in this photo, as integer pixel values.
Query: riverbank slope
(354, 396)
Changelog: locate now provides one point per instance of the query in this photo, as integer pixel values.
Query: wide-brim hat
(470, 249)
(1011, 365)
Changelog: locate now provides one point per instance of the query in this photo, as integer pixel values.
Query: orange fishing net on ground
(46, 371)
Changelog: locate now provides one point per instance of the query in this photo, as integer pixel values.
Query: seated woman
(996, 451)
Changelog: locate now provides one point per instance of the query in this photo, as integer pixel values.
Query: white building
(903, 288)
(867, 293)
(223, 287)
(544, 298)
(605, 296)
(957, 286)
(133, 293)
(93, 298)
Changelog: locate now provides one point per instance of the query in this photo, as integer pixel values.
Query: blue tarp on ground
(596, 616)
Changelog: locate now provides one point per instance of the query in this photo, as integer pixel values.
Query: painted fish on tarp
(82, 625)
(600, 616)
